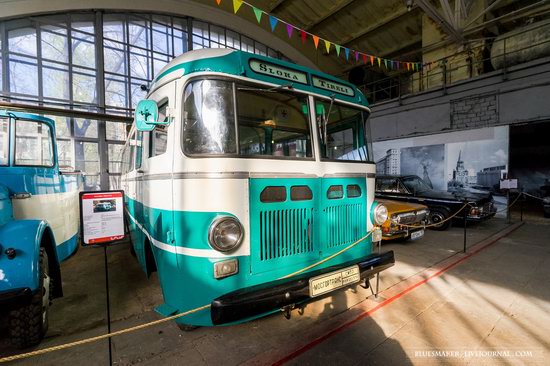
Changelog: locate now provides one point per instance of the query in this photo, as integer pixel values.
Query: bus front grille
(345, 224)
(286, 233)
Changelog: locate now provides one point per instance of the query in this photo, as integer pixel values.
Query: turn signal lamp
(226, 268)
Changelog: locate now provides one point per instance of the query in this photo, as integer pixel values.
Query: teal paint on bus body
(238, 63)
(188, 281)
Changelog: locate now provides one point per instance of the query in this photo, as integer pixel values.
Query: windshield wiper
(326, 118)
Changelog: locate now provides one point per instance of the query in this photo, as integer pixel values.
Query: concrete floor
(495, 302)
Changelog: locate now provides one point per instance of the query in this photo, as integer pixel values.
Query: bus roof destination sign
(266, 68)
(332, 86)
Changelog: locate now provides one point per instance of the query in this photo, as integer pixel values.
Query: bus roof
(262, 68)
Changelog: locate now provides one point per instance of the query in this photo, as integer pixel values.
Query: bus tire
(437, 215)
(28, 324)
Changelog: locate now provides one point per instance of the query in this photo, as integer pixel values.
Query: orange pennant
(315, 40)
(219, 1)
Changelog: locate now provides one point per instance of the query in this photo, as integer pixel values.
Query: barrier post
(508, 212)
(521, 208)
(378, 274)
(465, 225)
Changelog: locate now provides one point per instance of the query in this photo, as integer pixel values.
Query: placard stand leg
(108, 303)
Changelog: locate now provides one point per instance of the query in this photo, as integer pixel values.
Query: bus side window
(159, 136)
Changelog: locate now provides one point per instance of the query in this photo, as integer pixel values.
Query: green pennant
(337, 46)
(386, 63)
(258, 13)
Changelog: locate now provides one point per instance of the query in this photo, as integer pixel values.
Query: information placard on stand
(102, 217)
(102, 224)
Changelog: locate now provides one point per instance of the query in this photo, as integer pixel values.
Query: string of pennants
(304, 35)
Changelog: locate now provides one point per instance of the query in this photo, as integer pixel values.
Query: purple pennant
(356, 56)
(289, 30)
(273, 21)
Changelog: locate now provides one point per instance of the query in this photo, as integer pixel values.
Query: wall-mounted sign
(101, 217)
(333, 86)
(509, 184)
(266, 68)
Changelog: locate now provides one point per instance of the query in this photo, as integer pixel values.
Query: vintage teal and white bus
(243, 177)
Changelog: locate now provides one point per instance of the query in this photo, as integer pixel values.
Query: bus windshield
(347, 134)
(232, 118)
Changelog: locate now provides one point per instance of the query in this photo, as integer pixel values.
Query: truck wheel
(438, 215)
(28, 324)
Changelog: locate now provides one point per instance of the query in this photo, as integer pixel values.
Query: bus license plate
(417, 234)
(331, 281)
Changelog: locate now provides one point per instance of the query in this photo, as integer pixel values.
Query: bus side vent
(344, 224)
(286, 233)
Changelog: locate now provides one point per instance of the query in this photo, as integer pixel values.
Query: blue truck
(39, 224)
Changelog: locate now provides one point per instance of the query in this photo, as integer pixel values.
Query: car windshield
(415, 184)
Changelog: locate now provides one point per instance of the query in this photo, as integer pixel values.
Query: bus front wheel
(28, 325)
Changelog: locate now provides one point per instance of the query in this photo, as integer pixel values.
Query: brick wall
(474, 111)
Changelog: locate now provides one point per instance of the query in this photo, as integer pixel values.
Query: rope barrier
(460, 210)
(435, 224)
(155, 322)
(536, 197)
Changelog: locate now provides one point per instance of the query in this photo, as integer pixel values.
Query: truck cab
(39, 223)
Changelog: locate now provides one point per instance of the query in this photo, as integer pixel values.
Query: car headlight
(225, 234)
(380, 214)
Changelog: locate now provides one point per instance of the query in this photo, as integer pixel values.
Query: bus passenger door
(154, 184)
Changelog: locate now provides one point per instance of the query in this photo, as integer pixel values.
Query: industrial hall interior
(274, 182)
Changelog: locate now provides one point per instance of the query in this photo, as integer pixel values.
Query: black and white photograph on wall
(463, 162)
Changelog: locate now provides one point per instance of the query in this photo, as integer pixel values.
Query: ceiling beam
(388, 19)
(447, 27)
(274, 5)
(335, 9)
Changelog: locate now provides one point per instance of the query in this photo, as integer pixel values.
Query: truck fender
(26, 237)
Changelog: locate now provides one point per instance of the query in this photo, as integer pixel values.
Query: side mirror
(146, 115)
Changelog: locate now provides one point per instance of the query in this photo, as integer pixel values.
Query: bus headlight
(225, 234)
(380, 214)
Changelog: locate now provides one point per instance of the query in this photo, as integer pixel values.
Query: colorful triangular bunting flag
(289, 30)
(303, 35)
(346, 51)
(327, 45)
(337, 46)
(258, 13)
(273, 22)
(315, 40)
(236, 5)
